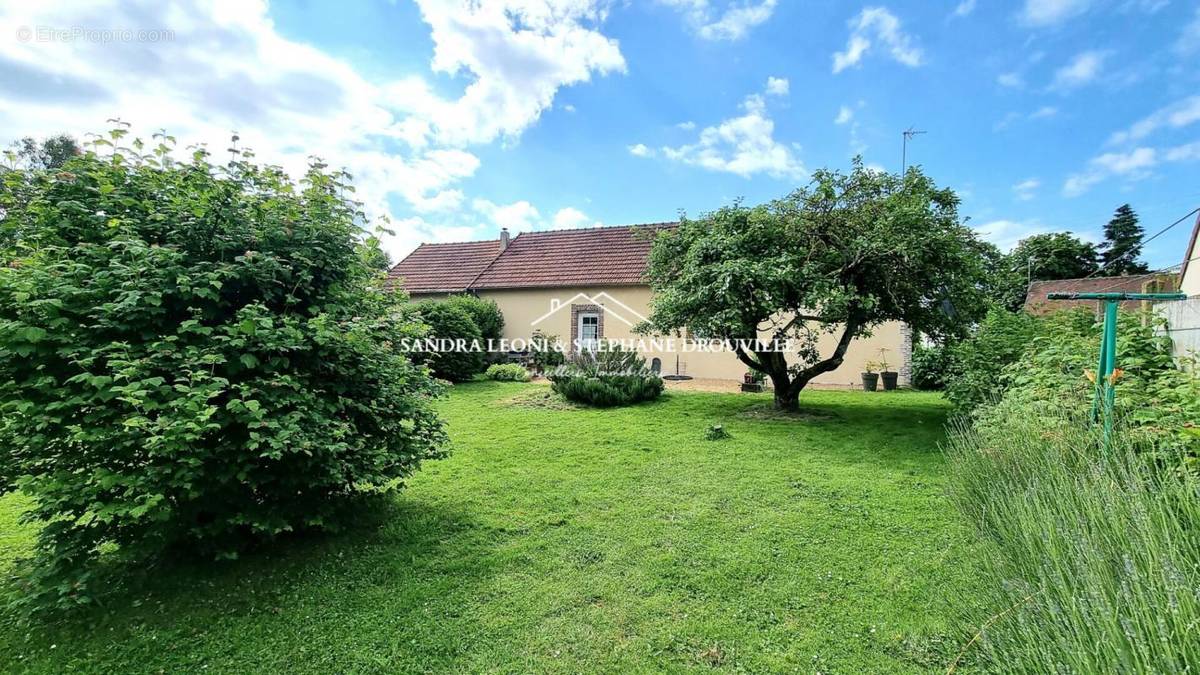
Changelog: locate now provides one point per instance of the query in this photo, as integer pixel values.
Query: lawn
(571, 540)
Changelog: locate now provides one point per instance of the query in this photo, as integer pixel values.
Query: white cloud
(519, 215)
(1043, 112)
(877, 23)
(640, 150)
(845, 114)
(686, 126)
(1011, 80)
(1082, 69)
(1183, 153)
(777, 86)
(227, 68)
(571, 218)
(1176, 115)
(519, 54)
(1026, 189)
(1189, 40)
(1133, 165)
(1005, 234)
(743, 145)
(964, 8)
(734, 23)
(1039, 13)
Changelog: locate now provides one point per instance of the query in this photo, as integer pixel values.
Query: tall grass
(1096, 559)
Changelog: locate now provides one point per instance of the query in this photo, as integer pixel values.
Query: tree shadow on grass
(386, 594)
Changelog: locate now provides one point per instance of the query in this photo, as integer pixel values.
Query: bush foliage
(194, 356)
(507, 372)
(484, 312)
(451, 322)
(930, 367)
(607, 377)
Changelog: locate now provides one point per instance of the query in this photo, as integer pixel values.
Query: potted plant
(870, 378)
(889, 377)
(752, 380)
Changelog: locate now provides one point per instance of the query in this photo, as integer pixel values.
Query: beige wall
(526, 310)
(1190, 283)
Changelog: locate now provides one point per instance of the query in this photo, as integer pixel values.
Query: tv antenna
(908, 134)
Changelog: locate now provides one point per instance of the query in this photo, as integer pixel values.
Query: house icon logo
(610, 306)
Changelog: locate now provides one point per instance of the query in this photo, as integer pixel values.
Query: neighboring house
(589, 284)
(1189, 275)
(1183, 316)
(1036, 302)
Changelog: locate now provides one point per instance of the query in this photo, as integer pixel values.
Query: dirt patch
(539, 398)
(767, 411)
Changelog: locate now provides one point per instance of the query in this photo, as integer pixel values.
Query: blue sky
(458, 119)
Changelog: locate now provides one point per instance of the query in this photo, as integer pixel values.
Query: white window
(589, 332)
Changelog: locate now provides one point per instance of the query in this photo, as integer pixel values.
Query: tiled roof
(583, 257)
(443, 268)
(1036, 302)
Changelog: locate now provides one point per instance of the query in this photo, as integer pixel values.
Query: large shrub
(976, 363)
(930, 367)
(457, 345)
(483, 311)
(1093, 555)
(606, 377)
(194, 357)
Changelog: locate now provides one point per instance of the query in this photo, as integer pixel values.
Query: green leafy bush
(542, 353)
(447, 322)
(606, 377)
(507, 372)
(976, 363)
(1094, 551)
(484, 312)
(1155, 399)
(194, 357)
(930, 367)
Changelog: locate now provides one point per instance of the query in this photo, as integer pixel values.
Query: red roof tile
(443, 268)
(585, 257)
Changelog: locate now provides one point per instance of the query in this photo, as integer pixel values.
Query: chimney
(503, 238)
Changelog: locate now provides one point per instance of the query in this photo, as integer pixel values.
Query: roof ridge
(456, 243)
(597, 227)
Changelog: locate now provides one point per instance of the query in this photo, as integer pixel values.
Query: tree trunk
(787, 389)
(787, 395)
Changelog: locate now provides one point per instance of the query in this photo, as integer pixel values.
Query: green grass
(572, 540)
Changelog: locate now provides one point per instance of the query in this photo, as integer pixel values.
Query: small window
(589, 331)
(656, 365)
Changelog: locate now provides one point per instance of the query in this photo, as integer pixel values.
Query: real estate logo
(594, 300)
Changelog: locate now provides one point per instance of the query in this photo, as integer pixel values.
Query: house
(589, 284)
(1189, 273)
(1154, 282)
(1183, 316)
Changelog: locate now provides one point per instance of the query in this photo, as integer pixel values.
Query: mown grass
(574, 540)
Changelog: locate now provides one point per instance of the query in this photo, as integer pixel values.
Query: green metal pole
(1110, 350)
(1101, 367)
